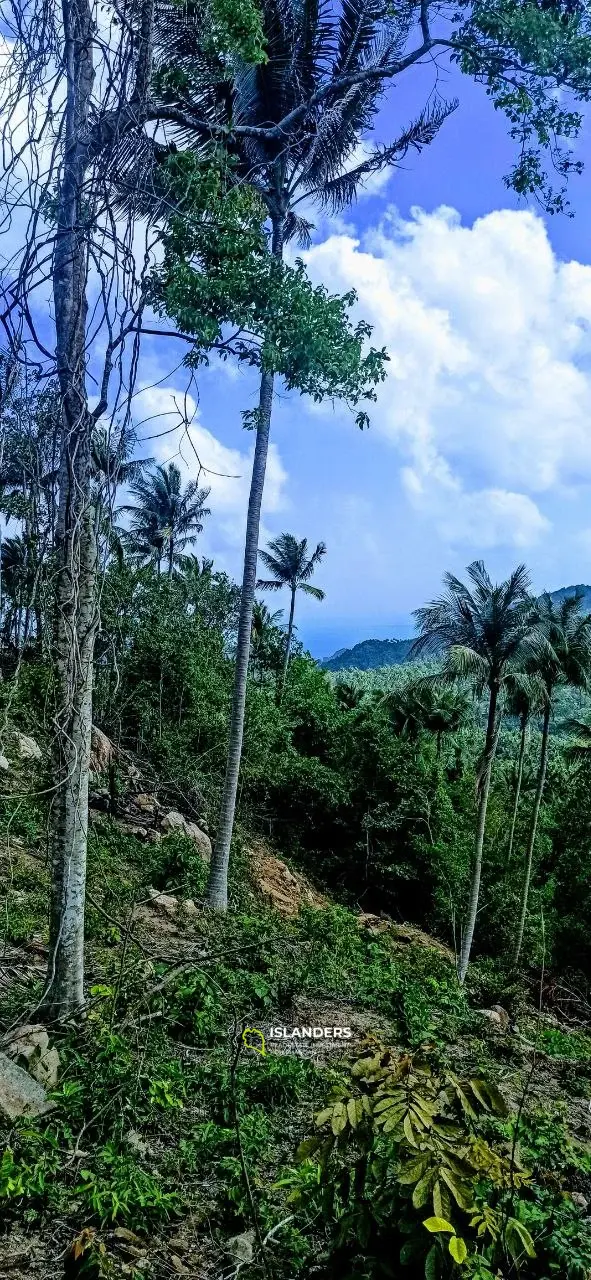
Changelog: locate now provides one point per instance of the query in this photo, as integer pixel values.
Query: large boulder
(174, 821)
(20, 1094)
(102, 751)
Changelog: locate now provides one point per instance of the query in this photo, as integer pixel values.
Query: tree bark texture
(217, 889)
(529, 856)
(489, 753)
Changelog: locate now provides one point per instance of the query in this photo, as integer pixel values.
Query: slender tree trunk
(170, 557)
(518, 783)
(489, 753)
(287, 644)
(76, 604)
(529, 856)
(217, 889)
(439, 744)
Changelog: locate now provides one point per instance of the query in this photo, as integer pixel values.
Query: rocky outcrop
(174, 821)
(20, 1093)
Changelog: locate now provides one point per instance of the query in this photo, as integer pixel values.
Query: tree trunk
(529, 857)
(170, 557)
(518, 783)
(489, 752)
(76, 603)
(217, 889)
(287, 644)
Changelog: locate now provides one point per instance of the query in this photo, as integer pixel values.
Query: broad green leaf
(408, 1131)
(438, 1224)
(478, 1088)
(412, 1171)
(460, 1192)
(432, 1264)
(323, 1116)
(420, 1194)
(514, 1225)
(354, 1112)
(339, 1118)
(458, 1250)
(307, 1148)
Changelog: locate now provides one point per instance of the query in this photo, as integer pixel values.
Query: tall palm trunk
(287, 643)
(489, 753)
(170, 557)
(76, 604)
(529, 856)
(217, 889)
(519, 780)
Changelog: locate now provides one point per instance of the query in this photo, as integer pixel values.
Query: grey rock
(174, 821)
(165, 902)
(242, 1247)
(190, 909)
(20, 1094)
(45, 1069)
(580, 1200)
(27, 748)
(4, 763)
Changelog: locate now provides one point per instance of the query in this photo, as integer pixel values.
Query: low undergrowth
(168, 1131)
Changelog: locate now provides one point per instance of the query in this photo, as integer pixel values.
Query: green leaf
(432, 1264)
(307, 1148)
(412, 1171)
(323, 1116)
(408, 1131)
(460, 1192)
(354, 1112)
(514, 1227)
(339, 1118)
(420, 1194)
(438, 1224)
(458, 1250)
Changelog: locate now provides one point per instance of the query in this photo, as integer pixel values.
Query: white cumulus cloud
(488, 394)
(225, 470)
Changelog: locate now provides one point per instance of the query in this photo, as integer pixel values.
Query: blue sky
(480, 444)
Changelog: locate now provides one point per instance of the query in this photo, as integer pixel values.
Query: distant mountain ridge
(369, 654)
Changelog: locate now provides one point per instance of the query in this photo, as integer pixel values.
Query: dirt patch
(286, 890)
(403, 935)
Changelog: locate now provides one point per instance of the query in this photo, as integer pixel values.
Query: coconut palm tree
(563, 657)
(267, 638)
(291, 566)
(426, 706)
(165, 517)
(481, 629)
(348, 696)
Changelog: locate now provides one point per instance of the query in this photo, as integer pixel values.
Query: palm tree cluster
(518, 651)
(165, 518)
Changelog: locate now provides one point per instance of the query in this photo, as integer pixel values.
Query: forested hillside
(296, 964)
